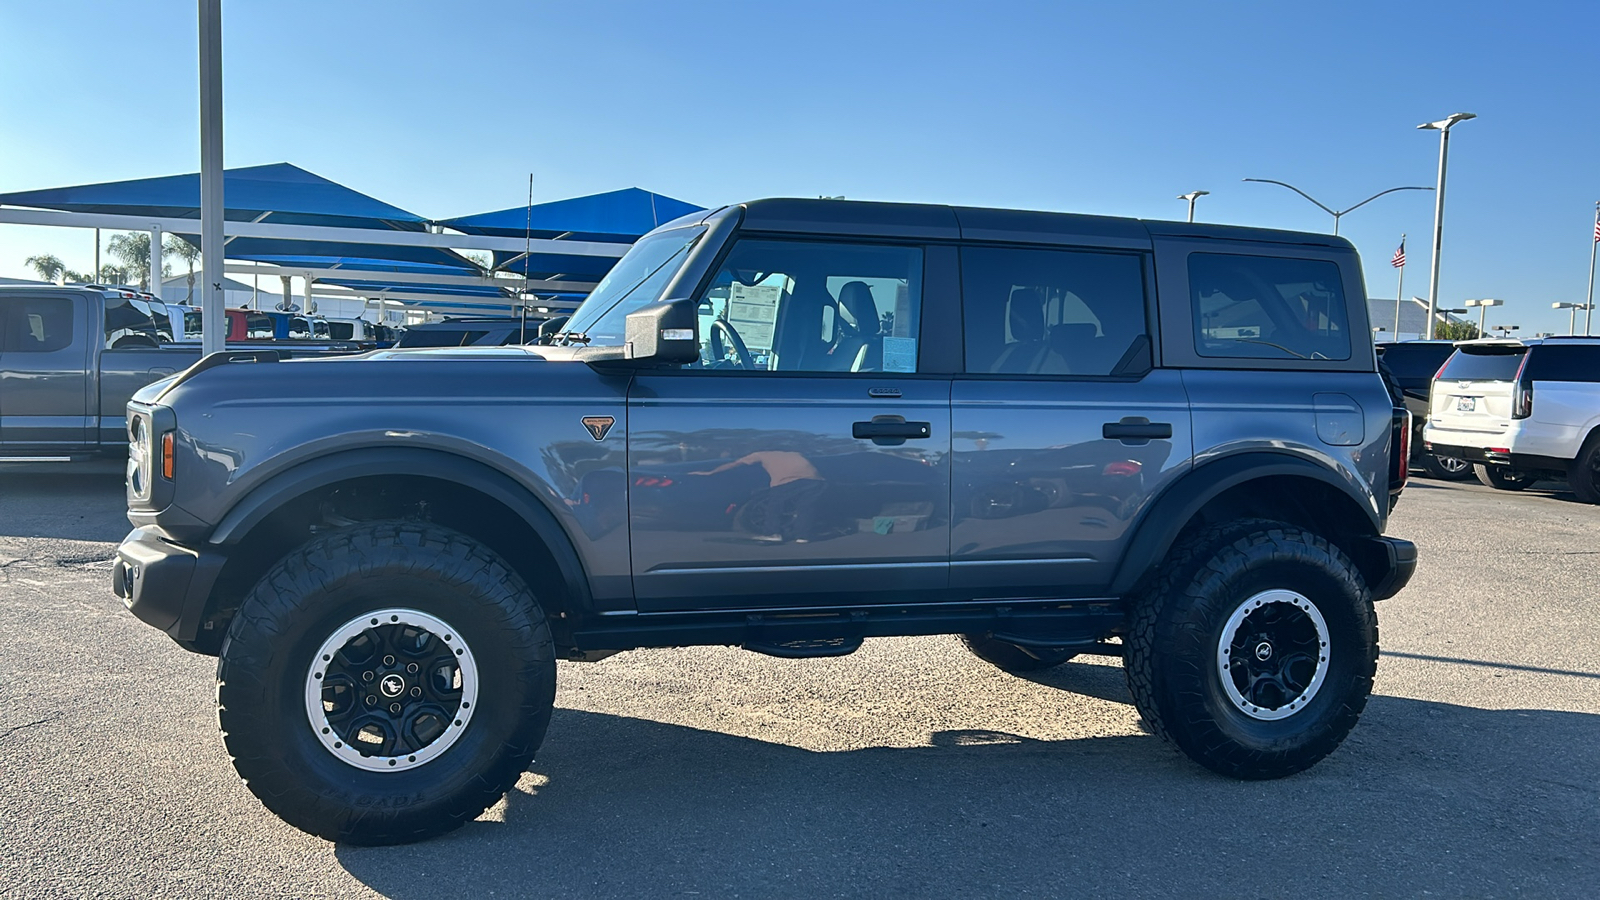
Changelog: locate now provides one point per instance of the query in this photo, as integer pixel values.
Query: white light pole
(213, 312)
(1483, 307)
(1572, 317)
(1192, 196)
(1588, 316)
(1442, 126)
(155, 262)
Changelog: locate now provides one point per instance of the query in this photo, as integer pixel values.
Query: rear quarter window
(1483, 364)
(1571, 363)
(1266, 307)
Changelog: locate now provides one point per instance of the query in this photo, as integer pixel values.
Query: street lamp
(1336, 213)
(1191, 197)
(1483, 307)
(1442, 126)
(1572, 317)
(1505, 330)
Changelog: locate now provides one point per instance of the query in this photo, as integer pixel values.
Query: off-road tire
(1173, 636)
(1014, 658)
(1583, 475)
(1501, 478)
(344, 574)
(1436, 467)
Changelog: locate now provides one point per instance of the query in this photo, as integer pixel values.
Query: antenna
(527, 242)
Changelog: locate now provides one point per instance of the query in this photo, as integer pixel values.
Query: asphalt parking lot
(909, 768)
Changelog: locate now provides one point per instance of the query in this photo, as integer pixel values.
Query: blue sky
(444, 109)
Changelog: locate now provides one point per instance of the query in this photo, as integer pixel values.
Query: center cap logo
(392, 685)
(1263, 651)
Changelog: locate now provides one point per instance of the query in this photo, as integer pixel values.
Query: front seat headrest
(1025, 312)
(857, 308)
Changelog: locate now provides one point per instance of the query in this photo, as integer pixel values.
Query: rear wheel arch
(1253, 485)
(463, 494)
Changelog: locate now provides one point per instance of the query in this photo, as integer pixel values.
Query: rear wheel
(1447, 468)
(1254, 652)
(385, 683)
(1583, 476)
(1014, 658)
(1502, 478)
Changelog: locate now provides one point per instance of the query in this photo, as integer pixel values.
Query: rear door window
(1492, 363)
(1553, 362)
(1053, 312)
(1267, 307)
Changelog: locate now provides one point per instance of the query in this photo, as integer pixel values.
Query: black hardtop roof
(931, 221)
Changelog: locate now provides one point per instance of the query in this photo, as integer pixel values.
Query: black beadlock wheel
(1254, 650)
(1501, 478)
(1014, 658)
(385, 683)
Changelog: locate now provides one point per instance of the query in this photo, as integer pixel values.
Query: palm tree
(133, 248)
(48, 265)
(189, 253)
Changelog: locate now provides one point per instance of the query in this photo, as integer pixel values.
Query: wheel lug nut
(412, 668)
(388, 660)
(394, 707)
(416, 692)
(367, 676)
(371, 700)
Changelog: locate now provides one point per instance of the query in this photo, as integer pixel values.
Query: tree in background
(1456, 331)
(187, 252)
(133, 248)
(48, 265)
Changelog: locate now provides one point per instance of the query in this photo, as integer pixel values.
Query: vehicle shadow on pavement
(76, 502)
(1424, 797)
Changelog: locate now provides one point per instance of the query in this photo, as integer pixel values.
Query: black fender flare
(1164, 519)
(269, 496)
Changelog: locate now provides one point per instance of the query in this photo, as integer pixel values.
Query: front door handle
(1136, 430)
(890, 431)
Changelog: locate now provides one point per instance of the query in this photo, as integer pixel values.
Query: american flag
(1399, 261)
(1597, 226)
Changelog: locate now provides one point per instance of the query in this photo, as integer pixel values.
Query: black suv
(789, 425)
(1412, 364)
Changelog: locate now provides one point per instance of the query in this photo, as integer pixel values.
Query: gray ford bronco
(789, 425)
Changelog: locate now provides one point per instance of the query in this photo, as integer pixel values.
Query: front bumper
(165, 584)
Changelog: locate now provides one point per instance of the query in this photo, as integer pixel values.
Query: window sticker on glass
(753, 312)
(899, 354)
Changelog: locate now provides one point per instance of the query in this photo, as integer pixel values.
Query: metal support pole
(1572, 318)
(1438, 229)
(1191, 208)
(155, 262)
(309, 280)
(1588, 314)
(214, 316)
(95, 275)
(1483, 311)
(288, 298)
(1399, 291)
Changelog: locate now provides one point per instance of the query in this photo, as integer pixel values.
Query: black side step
(806, 648)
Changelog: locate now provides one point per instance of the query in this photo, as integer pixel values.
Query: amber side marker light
(166, 455)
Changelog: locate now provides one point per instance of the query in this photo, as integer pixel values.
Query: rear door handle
(890, 430)
(1136, 430)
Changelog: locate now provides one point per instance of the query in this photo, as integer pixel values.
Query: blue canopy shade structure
(279, 193)
(616, 217)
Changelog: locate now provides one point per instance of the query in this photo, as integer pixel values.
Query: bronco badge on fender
(599, 426)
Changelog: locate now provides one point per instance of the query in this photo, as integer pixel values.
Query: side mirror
(665, 333)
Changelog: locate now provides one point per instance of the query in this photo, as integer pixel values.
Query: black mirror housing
(665, 334)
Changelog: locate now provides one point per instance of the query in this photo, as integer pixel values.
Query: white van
(1520, 411)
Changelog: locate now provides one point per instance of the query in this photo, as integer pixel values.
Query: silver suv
(789, 425)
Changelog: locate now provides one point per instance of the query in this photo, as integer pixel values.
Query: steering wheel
(741, 355)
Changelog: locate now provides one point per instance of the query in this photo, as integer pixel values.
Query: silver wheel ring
(1229, 630)
(340, 748)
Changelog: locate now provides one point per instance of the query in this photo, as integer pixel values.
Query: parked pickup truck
(70, 360)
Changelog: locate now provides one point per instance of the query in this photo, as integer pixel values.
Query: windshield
(637, 279)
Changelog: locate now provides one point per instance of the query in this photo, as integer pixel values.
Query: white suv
(1521, 410)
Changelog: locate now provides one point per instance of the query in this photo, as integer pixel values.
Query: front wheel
(1501, 478)
(1254, 652)
(385, 683)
